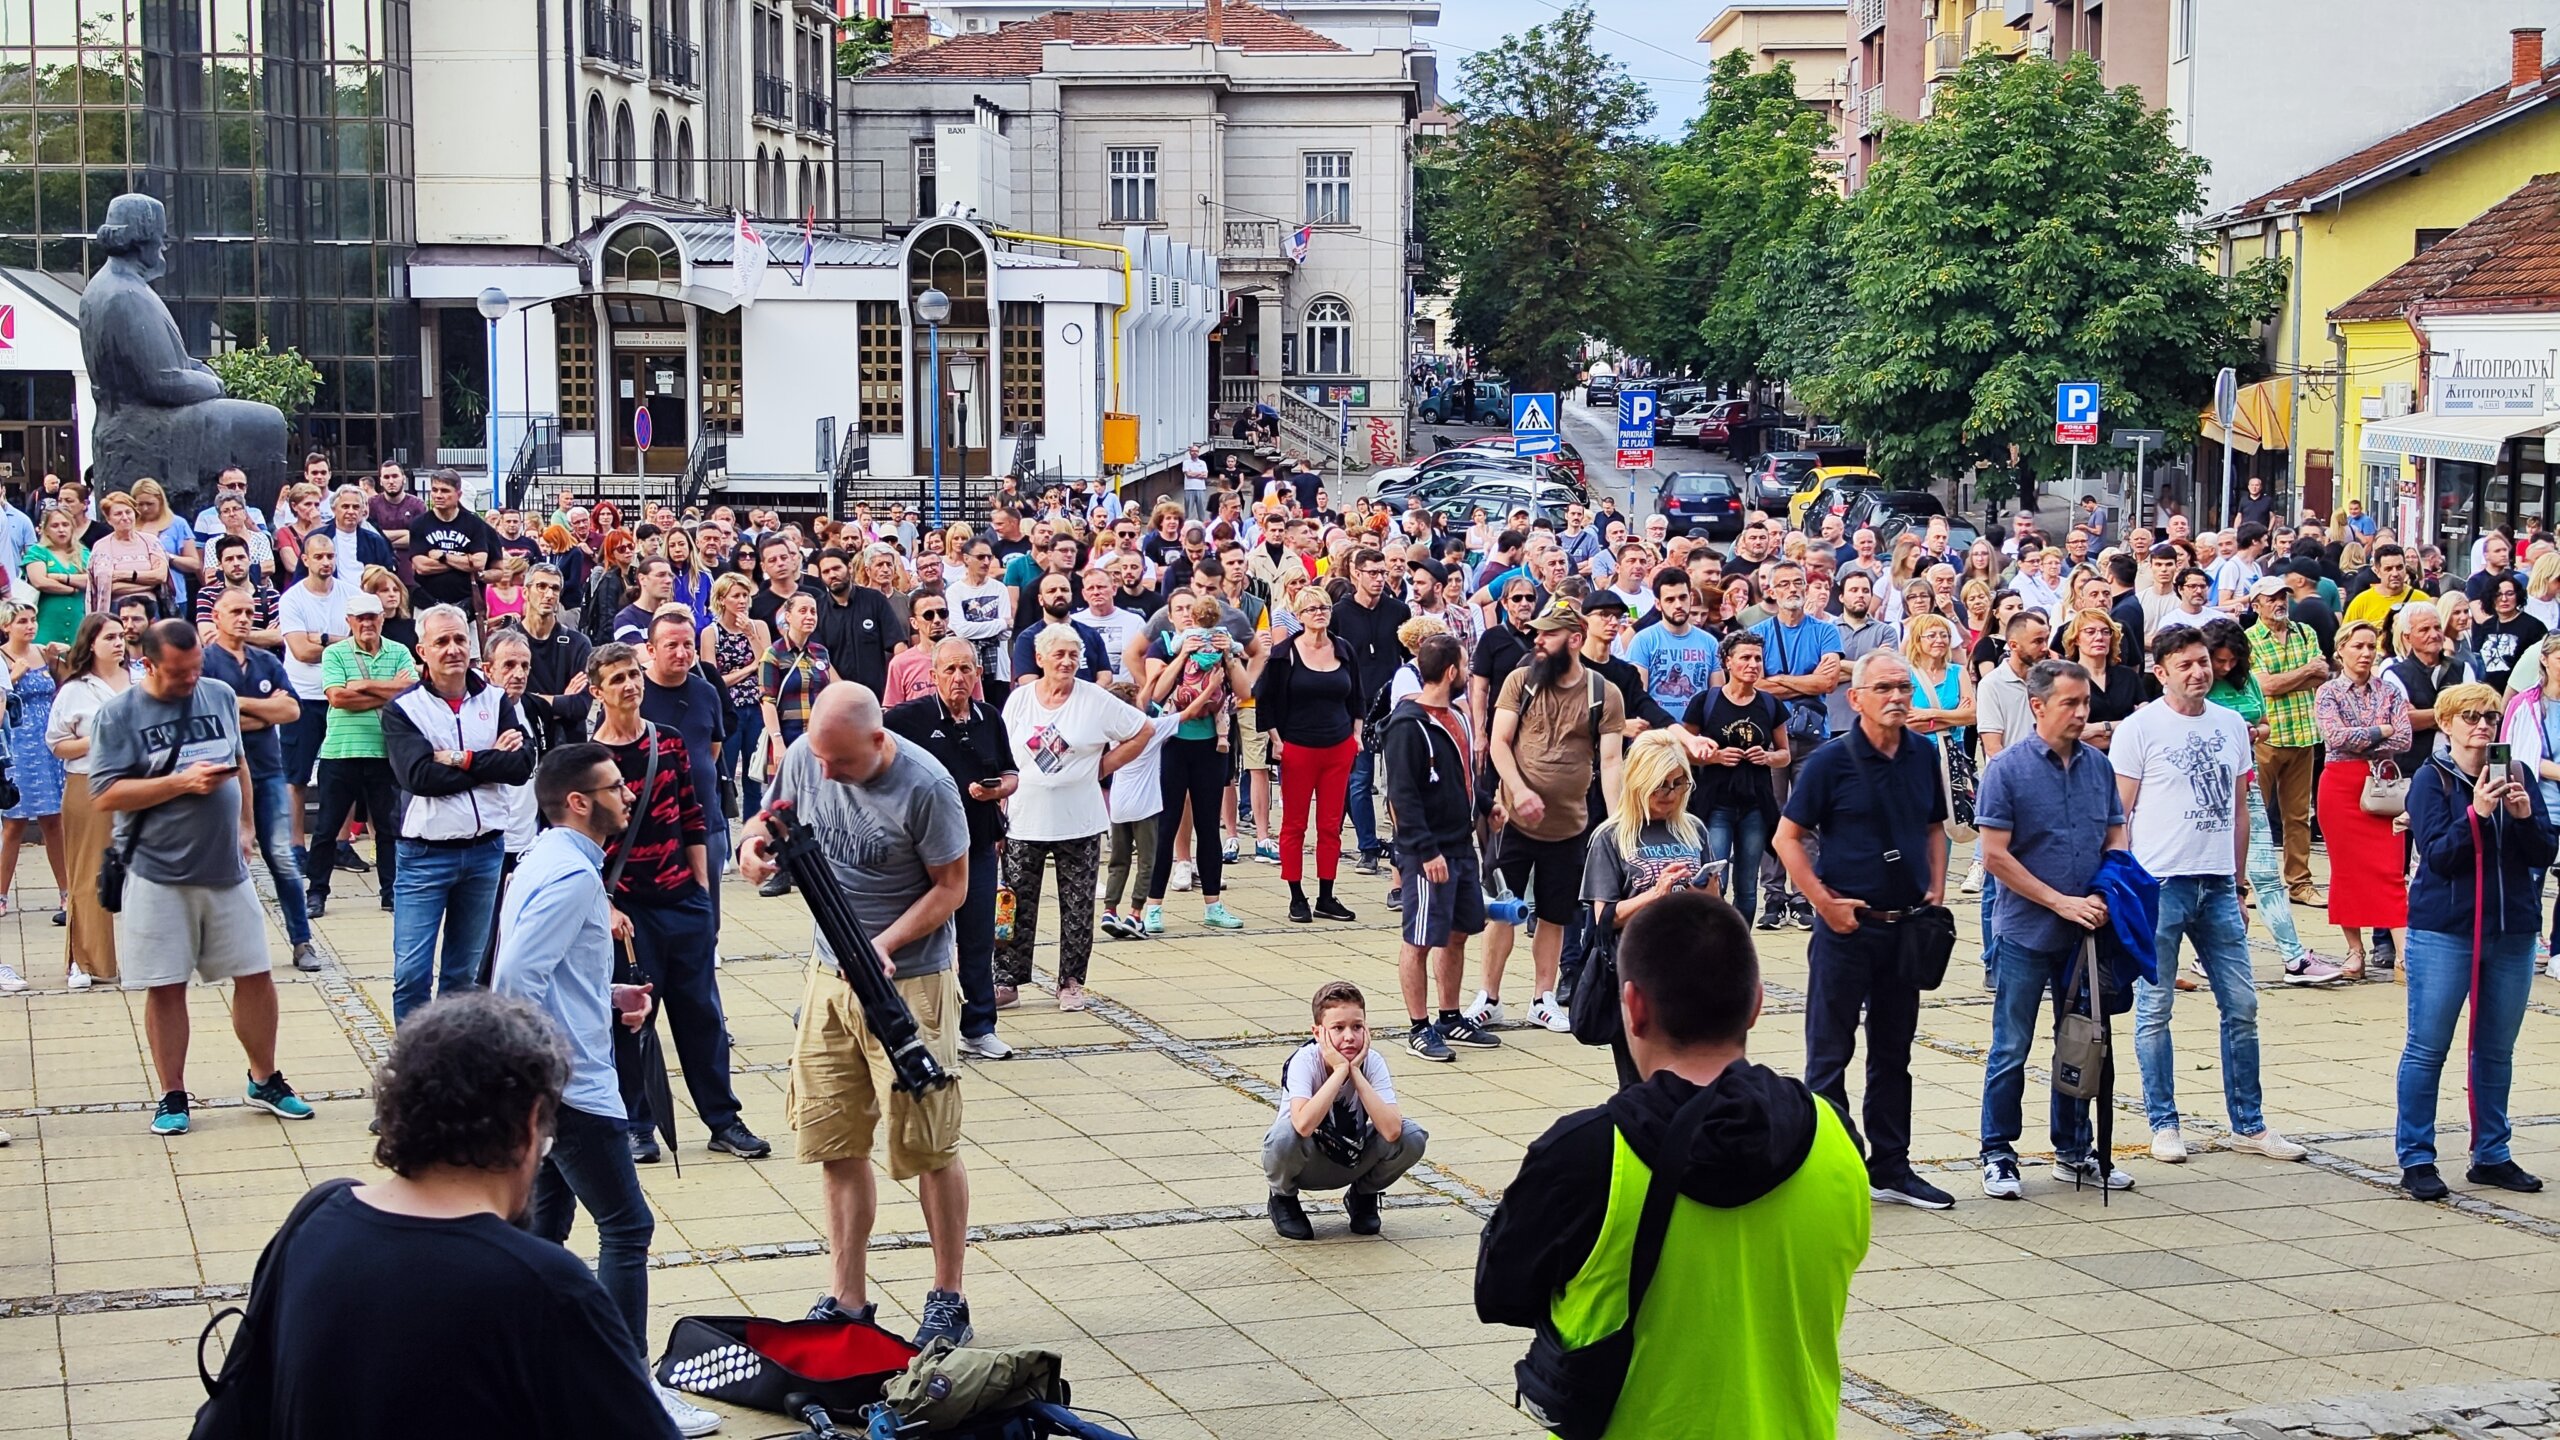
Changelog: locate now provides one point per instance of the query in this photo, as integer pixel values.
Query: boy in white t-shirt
(1338, 1127)
(2180, 767)
(1135, 799)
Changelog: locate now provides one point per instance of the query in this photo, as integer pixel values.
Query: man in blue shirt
(2048, 811)
(1679, 660)
(555, 951)
(1804, 667)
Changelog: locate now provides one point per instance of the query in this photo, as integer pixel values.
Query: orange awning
(2263, 419)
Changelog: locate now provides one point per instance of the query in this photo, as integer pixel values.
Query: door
(967, 429)
(656, 378)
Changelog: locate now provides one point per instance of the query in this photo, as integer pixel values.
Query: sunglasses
(2478, 717)
(931, 614)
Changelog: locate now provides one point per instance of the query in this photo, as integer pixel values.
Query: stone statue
(161, 412)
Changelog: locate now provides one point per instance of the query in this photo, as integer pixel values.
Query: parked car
(1544, 493)
(1600, 390)
(1564, 457)
(1454, 509)
(1828, 490)
(1875, 507)
(1701, 500)
(1452, 404)
(1772, 480)
(1709, 426)
(1394, 484)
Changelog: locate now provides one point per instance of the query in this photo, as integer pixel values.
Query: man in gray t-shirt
(888, 818)
(165, 760)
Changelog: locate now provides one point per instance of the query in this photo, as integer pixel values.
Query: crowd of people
(560, 732)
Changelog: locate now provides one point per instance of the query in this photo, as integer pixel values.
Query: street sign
(2226, 397)
(1635, 459)
(641, 432)
(1533, 425)
(1637, 410)
(2075, 412)
(2147, 439)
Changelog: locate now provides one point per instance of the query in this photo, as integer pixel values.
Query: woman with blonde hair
(383, 584)
(1976, 616)
(153, 517)
(2115, 687)
(124, 561)
(1307, 697)
(93, 673)
(2364, 722)
(1650, 847)
(2542, 590)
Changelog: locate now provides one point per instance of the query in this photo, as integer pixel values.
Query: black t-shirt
(973, 749)
(767, 606)
(1746, 786)
(464, 534)
(1500, 652)
(1368, 633)
(1988, 651)
(557, 658)
(260, 678)
(2260, 510)
(861, 632)
(2502, 645)
(522, 1338)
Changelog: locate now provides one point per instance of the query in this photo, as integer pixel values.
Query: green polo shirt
(357, 734)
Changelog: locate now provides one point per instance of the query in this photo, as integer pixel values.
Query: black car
(1600, 390)
(1878, 507)
(1498, 505)
(1701, 501)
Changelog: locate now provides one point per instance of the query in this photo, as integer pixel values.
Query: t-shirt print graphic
(1049, 749)
(2210, 782)
(976, 608)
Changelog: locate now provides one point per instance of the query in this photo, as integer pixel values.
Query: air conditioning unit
(2397, 400)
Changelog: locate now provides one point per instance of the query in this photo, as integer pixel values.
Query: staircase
(1311, 434)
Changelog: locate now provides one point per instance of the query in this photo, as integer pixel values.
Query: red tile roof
(1015, 49)
(2495, 106)
(2508, 259)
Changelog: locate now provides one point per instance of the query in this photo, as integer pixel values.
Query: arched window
(625, 175)
(599, 160)
(764, 184)
(684, 159)
(808, 188)
(1324, 346)
(642, 255)
(662, 157)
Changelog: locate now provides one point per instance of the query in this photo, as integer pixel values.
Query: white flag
(746, 261)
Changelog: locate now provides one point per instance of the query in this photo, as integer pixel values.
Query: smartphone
(1711, 876)
(2501, 755)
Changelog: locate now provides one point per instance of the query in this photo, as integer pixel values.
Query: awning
(2262, 420)
(2476, 438)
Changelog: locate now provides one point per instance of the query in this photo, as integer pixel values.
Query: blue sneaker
(1218, 917)
(1154, 921)
(275, 1096)
(1266, 852)
(171, 1117)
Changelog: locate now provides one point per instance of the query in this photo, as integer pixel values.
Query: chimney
(1215, 23)
(2526, 60)
(1062, 26)
(908, 34)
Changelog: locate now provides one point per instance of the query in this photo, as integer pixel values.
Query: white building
(1225, 129)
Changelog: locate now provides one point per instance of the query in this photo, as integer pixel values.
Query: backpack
(1489, 780)
(945, 1384)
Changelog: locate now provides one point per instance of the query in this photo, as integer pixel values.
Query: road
(1595, 433)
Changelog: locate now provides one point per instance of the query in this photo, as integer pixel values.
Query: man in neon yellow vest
(1738, 1332)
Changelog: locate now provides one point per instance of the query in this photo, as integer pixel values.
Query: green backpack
(945, 1385)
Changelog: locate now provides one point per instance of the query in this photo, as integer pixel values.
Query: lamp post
(493, 308)
(933, 307)
(964, 374)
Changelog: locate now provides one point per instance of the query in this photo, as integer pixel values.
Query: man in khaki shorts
(166, 761)
(889, 820)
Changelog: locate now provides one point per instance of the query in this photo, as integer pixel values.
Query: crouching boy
(1338, 1125)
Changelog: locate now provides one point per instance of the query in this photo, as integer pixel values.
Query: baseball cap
(1559, 615)
(2267, 588)
(1430, 567)
(1609, 600)
(361, 603)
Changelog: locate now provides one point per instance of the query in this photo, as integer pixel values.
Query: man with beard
(1364, 628)
(1552, 720)
(395, 512)
(1427, 593)
(1056, 595)
(1862, 633)
(1104, 615)
(860, 626)
(1674, 659)
(911, 671)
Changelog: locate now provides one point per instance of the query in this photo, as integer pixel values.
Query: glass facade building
(278, 134)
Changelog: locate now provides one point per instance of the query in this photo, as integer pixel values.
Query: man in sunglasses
(911, 669)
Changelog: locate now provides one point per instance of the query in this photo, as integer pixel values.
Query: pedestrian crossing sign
(1533, 424)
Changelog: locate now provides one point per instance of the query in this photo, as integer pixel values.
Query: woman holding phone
(1650, 846)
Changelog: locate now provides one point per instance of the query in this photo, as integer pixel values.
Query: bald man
(889, 820)
(956, 726)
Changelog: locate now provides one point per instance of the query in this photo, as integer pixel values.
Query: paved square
(1118, 1200)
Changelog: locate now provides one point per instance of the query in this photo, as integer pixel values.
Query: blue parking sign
(1636, 411)
(2075, 412)
(1533, 425)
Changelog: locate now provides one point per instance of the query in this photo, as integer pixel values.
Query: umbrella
(642, 1059)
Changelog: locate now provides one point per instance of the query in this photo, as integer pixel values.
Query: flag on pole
(747, 260)
(1301, 240)
(808, 242)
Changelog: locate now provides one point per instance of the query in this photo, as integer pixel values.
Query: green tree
(860, 44)
(1805, 296)
(1745, 178)
(286, 381)
(1548, 178)
(2031, 231)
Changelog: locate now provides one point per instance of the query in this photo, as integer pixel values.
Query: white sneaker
(985, 1047)
(1973, 881)
(2270, 1144)
(1486, 1010)
(2551, 967)
(2168, 1146)
(1182, 873)
(2000, 1178)
(11, 981)
(690, 1419)
(1545, 1011)
(78, 979)
(2087, 1172)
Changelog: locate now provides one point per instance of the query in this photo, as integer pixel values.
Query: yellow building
(2353, 221)
(1811, 37)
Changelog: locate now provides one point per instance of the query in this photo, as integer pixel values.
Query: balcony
(1866, 17)
(1249, 240)
(817, 114)
(1413, 262)
(612, 36)
(674, 61)
(1871, 114)
(773, 99)
(1946, 53)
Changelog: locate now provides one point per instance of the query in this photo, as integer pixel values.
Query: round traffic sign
(640, 428)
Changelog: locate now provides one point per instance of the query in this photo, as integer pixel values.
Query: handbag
(117, 862)
(1956, 770)
(1594, 1006)
(241, 1400)
(2386, 791)
(1925, 937)
(763, 1364)
(2080, 1039)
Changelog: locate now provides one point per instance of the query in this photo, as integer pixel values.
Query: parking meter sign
(2075, 412)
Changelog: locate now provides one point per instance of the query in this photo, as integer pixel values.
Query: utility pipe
(1128, 289)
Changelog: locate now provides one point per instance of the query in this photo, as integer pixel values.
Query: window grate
(574, 331)
(723, 377)
(882, 368)
(1025, 367)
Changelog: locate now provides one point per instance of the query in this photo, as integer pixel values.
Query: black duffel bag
(743, 1360)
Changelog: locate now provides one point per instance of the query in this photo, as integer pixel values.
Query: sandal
(2352, 972)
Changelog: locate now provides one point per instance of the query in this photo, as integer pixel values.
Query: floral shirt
(2362, 721)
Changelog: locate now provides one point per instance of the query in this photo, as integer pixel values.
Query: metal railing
(538, 453)
(710, 454)
(773, 98)
(1865, 17)
(1946, 53)
(1310, 431)
(817, 113)
(1249, 239)
(1871, 108)
(675, 60)
(613, 35)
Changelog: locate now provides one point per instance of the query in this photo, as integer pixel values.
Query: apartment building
(1807, 34)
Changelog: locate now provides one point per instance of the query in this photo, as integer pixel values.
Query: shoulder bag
(1593, 1007)
(117, 862)
(2080, 1039)
(241, 1400)
(1925, 937)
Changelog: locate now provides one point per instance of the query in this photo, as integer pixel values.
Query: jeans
(1847, 973)
(1741, 836)
(447, 888)
(2024, 978)
(274, 801)
(1363, 801)
(341, 782)
(2266, 881)
(2205, 909)
(673, 944)
(590, 1165)
(2439, 973)
(975, 938)
(738, 755)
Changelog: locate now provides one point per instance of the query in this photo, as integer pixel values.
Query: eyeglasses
(931, 614)
(2478, 717)
(1672, 786)
(1315, 609)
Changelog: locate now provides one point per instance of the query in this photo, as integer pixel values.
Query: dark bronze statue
(160, 411)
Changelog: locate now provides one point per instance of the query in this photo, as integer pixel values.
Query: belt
(464, 843)
(1881, 917)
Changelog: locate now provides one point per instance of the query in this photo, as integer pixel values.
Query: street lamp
(964, 374)
(493, 308)
(933, 307)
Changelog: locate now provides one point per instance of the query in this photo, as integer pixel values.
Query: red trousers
(1321, 777)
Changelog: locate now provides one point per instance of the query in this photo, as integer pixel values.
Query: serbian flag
(1301, 240)
(747, 260)
(808, 242)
